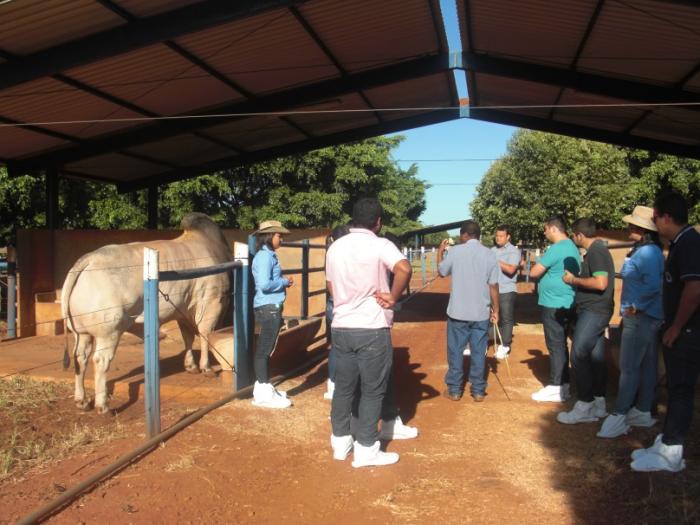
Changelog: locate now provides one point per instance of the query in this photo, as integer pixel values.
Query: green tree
(21, 205)
(543, 174)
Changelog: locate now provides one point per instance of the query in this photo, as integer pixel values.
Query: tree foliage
(316, 189)
(543, 174)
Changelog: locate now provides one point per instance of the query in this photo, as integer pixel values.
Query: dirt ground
(504, 461)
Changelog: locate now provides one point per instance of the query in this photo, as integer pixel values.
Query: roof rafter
(391, 126)
(587, 82)
(584, 132)
(140, 33)
(296, 97)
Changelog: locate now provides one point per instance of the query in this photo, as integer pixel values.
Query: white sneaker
(265, 395)
(613, 426)
(550, 393)
(328, 394)
(581, 413)
(665, 457)
(599, 409)
(395, 429)
(637, 418)
(341, 445)
(467, 350)
(502, 352)
(372, 457)
(636, 454)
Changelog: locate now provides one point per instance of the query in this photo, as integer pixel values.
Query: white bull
(102, 298)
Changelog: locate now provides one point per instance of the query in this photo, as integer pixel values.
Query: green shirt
(553, 291)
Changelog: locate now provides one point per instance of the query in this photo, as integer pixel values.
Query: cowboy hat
(271, 227)
(642, 217)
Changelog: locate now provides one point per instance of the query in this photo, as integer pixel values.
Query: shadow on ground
(596, 476)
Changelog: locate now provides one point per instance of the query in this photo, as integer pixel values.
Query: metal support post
(242, 333)
(51, 182)
(422, 264)
(151, 343)
(153, 207)
(305, 279)
(11, 300)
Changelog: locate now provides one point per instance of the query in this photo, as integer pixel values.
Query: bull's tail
(66, 291)
(66, 355)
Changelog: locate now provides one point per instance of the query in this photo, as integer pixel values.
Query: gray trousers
(363, 356)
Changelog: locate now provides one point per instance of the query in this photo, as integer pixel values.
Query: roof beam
(584, 132)
(128, 37)
(303, 146)
(585, 82)
(296, 97)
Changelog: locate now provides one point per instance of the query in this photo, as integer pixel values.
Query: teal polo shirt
(553, 291)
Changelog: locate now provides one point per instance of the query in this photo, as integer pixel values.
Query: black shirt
(597, 261)
(682, 264)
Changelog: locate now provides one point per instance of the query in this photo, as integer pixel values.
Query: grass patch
(38, 425)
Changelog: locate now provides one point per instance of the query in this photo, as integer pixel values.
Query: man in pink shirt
(357, 267)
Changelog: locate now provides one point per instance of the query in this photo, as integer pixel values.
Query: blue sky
(436, 148)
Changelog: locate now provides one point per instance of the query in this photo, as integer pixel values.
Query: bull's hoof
(209, 372)
(104, 410)
(84, 404)
(192, 369)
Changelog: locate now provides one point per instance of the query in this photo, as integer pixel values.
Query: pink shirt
(357, 266)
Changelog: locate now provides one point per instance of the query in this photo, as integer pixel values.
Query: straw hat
(271, 227)
(642, 217)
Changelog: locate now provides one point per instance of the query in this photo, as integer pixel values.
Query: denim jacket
(270, 286)
(642, 275)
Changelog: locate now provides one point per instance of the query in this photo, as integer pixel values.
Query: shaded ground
(502, 461)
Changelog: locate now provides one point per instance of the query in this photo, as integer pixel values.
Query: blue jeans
(506, 319)
(588, 354)
(364, 356)
(638, 363)
(459, 333)
(682, 368)
(555, 322)
(269, 318)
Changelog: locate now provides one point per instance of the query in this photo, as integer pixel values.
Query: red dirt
(505, 460)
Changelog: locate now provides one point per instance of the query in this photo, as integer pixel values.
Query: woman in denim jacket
(270, 293)
(642, 315)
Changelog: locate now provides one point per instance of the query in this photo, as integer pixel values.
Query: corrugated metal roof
(605, 117)
(431, 91)
(282, 55)
(264, 53)
(28, 26)
(497, 91)
(184, 150)
(624, 33)
(363, 34)
(115, 166)
(221, 68)
(503, 27)
(157, 79)
(144, 8)
(48, 100)
(615, 65)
